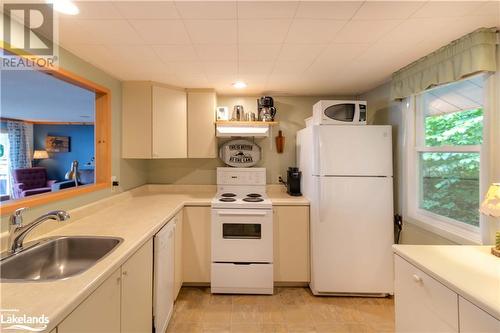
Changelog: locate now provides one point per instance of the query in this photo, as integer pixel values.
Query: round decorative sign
(240, 153)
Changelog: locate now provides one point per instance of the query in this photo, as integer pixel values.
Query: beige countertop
(134, 216)
(471, 271)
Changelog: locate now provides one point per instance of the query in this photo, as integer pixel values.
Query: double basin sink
(56, 258)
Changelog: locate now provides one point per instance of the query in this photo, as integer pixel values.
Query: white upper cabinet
(136, 120)
(201, 129)
(169, 123)
(154, 121)
(157, 124)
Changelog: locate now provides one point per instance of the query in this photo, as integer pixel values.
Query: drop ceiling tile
(188, 68)
(71, 32)
(90, 52)
(161, 31)
(110, 32)
(314, 31)
(136, 53)
(258, 52)
(193, 81)
(212, 31)
(290, 67)
(365, 31)
(342, 10)
(387, 10)
(447, 8)
(207, 9)
(266, 9)
(147, 9)
(278, 82)
(262, 31)
(489, 8)
(395, 56)
(342, 52)
(335, 58)
(300, 52)
(217, 52)
(246, 68)
(467, 24)
(140, 70)
(227, 68)
(175, 53)
(416, 29)
(97, 10)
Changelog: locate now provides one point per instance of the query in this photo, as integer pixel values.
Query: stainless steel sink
(56, 258)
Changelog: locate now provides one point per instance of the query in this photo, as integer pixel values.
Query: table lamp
(491, 207)
(39, 155)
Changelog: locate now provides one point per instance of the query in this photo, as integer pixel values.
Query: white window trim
(457, 232)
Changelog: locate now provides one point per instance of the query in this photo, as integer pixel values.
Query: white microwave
(330, 112)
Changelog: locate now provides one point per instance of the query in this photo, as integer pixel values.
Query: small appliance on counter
(293, 176)
(238, 113)
(265, 108)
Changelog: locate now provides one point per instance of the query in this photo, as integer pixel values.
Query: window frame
(102, 142)
(414, 121)
(6, 152)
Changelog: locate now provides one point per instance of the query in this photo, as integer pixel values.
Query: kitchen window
(444, 161)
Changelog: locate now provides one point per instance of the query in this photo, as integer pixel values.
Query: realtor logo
(29, 37)
(28, 29)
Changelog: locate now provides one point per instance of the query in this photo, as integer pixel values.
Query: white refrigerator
(347, 176)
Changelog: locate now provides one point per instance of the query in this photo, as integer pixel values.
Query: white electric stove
(242, 233)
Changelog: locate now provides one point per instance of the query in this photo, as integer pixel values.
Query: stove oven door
(242, 235)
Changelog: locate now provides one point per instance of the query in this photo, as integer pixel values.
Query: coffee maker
(265, 108)
(293, 176)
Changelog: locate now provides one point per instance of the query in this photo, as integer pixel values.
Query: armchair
(31, 181)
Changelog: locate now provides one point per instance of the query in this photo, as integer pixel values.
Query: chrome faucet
(18, 231)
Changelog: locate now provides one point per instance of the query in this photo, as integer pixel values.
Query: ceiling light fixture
(64, 6)
(239, 85)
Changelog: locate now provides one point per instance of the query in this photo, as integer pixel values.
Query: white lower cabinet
(178, 274)
(137, 291)
(475, 320)
(196, 250)
(422, 303)
(291, 243)
(100, 312)
(425, 305)
(122, 303)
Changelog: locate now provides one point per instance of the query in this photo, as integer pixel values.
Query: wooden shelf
(247, 123)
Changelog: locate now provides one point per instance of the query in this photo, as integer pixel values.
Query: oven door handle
(242, 213)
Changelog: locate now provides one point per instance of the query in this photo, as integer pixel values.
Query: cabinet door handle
(124, 273)
(118, 279)
(417, 278)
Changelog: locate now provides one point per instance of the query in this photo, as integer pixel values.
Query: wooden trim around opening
(102, 144)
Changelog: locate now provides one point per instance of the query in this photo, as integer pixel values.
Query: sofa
(31, 181)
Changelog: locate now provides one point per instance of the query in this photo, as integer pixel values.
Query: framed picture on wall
(57, 144)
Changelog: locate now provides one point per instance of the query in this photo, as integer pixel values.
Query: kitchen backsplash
(292, 110)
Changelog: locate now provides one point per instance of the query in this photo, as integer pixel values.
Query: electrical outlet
(280, 179)
(114, 183)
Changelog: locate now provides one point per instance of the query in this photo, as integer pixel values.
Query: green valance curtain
(473, 53)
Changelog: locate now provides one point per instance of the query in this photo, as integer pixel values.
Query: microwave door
(341, 112)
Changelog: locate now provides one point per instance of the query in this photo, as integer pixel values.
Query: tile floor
(288, 310)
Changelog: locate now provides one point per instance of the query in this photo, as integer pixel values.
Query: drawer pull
(417, 278)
